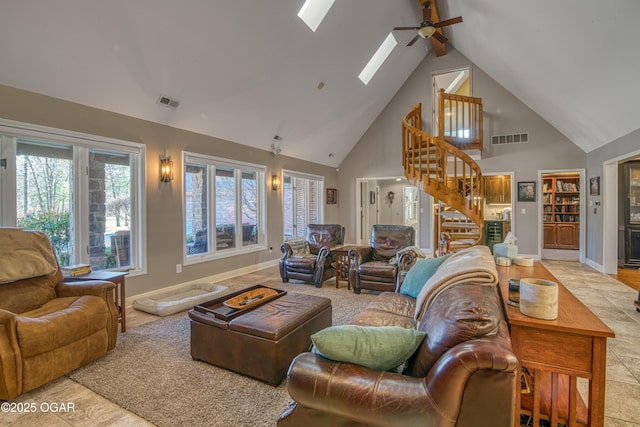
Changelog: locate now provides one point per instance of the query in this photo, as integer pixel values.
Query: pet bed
(185, 298)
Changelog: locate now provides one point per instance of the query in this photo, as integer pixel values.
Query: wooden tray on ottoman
(230, 305)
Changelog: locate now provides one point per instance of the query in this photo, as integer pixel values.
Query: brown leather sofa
(309, 259)
(372, 267)
(47, 327)
(462, 374)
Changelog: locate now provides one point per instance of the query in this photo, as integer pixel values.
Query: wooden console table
(557, 353)
(116, 277)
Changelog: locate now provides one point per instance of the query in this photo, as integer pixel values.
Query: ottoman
(260, 343)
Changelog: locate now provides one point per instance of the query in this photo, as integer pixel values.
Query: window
(378, 59)
(81, 190)
(229, 195)
(303, 201)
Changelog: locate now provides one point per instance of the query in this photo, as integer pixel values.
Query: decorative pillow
(419, 274)
(376, 347)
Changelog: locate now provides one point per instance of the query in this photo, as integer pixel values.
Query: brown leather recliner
(374, 267)
(309, 259)
(47, 327)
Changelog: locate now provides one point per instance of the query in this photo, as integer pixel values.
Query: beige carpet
(151, 372)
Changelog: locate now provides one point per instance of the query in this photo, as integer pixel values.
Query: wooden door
(566, 236)
(549, 235)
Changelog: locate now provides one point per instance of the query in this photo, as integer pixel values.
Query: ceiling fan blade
(439, 37)
(446, 22)
(405, 28)
(413, 40)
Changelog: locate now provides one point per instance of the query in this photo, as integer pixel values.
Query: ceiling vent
(168, 102)
(515, 138)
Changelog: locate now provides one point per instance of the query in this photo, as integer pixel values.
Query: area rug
(151, 372)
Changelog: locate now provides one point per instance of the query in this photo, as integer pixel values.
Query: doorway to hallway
(562, 206)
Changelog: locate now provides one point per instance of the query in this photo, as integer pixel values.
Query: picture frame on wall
(594, 186)
(527, 191)
(332, 196)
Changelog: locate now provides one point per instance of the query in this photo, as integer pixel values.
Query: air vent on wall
(515, 138)
(168, 102)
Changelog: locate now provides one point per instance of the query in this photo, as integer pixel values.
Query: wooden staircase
(446, 172)
(461, 230)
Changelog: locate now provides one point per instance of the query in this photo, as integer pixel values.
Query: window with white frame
(302, 202)
(224, 212)
(85, 192)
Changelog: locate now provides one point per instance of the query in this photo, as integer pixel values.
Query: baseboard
(594, 265)
(208, 279)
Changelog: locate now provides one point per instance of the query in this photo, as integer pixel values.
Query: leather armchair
(47, 327)
(374, 267)
(309, 259)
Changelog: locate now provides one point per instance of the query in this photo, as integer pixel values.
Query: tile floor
(609, 299)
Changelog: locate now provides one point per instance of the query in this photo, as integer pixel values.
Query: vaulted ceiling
(247, 70)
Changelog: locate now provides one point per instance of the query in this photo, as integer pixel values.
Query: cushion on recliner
(378, 270)
(59, 323)
(25, 254)
(460, 313)
(320, 235)
(387, 240)
(28, 294)
(306, 262)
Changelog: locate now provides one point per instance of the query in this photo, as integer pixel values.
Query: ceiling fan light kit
(429, 26)
(426, 32)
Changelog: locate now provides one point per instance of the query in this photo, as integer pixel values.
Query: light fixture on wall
(166, 169)
(275, 182)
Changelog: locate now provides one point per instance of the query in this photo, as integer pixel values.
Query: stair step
(463, 235)
(467, 225)
(453, 215)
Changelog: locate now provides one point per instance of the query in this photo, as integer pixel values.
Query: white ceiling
(247, 70)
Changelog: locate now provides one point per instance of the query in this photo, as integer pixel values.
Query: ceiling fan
(428, 27)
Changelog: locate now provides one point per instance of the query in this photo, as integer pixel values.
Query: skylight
(378, 59)
(313, 12)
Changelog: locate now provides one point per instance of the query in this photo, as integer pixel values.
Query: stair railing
(460, 120)
(442, 170)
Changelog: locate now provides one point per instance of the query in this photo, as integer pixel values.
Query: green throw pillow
(419, 274)
(377, 347)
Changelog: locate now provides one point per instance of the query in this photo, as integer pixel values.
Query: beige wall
(616, 151)
(378, 153)
(164, 201)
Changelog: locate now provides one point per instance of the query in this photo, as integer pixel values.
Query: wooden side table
(557, 353)
(341, 265)
(116, 277)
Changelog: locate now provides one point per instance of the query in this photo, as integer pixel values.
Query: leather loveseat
(47, 327)
(462, 374)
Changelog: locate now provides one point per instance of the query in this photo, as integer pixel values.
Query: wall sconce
(275, 182)
(166, 169)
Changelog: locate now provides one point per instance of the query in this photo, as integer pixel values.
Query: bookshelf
(561, 211)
